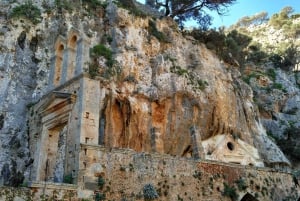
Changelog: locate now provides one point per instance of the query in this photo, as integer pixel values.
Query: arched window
(58, 64)
(248, 197)
(73, 42)
(72, 49)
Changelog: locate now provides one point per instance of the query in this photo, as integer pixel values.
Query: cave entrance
(248, 197)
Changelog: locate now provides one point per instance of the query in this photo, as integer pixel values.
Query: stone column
(157, 144)
(79, 58)
(71, 63)
(82, 56)
(196, 142)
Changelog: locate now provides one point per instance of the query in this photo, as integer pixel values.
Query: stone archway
(248, 197)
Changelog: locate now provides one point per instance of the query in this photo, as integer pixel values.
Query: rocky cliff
(160, 81)
(275, 85)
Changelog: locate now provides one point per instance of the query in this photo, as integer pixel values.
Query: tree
(246, 21)
(283, 18)
(183, 10)
(286, 12)
(150, 3)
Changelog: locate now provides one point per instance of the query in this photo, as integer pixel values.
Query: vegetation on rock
(129, 5)
(230, 47)
(230, 191)
(111, 67)
(155, 32)
(28, 11)
(291, 145)
(149, 192)
(68, 179)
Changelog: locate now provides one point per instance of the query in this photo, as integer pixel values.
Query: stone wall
(39, 191)
(122, 174)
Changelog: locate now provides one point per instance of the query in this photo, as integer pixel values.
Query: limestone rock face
(25, 53)
(166, 88)
(278, 103)
(166, 91)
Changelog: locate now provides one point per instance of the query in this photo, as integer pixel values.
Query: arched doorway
(248, 197)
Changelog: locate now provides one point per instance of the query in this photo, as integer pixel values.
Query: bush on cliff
(28, 11)
(149, 192)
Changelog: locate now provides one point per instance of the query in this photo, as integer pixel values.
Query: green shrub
(248, 77)
(230, 191)
(271, 73)
(101, 50)
(130, 6)
(94, 4)
(93, 70)
(230, 47)
(291, 55)
(276, 59)
(28, 11)
(64, 4)
(100, 196)
(200, 84)
(241, 184)
(257, 56)
(149, 192)
(178, 70)
(101, 182)
(112, 67)
(278, 86)
(68, 179)
(290, 145)
(278, 20)
(190, 76)
(156, 33)
(197, 175)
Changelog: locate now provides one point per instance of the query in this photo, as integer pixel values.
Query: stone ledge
(51, 185)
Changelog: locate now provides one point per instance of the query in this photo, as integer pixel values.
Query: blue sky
(250, 7)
